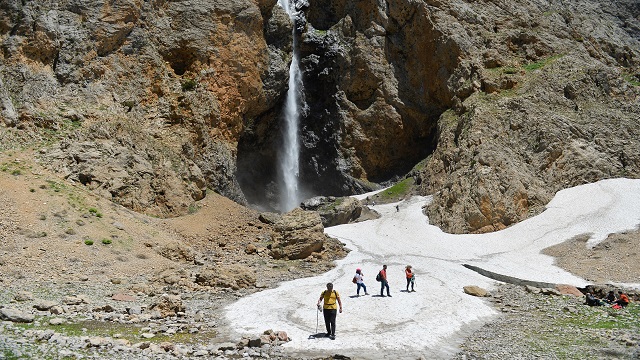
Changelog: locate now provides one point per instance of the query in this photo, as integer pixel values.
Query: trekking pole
(317, 316)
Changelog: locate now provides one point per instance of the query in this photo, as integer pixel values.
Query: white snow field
(429, 322)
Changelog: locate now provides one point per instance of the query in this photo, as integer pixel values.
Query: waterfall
(289, 153)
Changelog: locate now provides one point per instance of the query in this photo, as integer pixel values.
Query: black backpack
(379, 277)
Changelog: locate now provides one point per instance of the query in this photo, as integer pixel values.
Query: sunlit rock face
(151, 103)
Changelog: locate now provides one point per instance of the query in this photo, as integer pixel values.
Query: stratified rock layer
(151, 103)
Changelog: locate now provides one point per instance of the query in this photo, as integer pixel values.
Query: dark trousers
(384, 284)
(409, 282)
(330, 320)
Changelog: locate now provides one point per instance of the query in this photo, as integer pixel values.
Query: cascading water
(289, 154)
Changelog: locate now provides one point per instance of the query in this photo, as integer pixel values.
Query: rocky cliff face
(152, 95)
(151, 102)
(550, 101)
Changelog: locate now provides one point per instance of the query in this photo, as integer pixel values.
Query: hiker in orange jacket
(410, 277)
(623, 299)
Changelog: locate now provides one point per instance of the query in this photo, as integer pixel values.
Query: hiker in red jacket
(383, 281)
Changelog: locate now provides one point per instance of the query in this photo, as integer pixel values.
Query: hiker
(611, 297)
(410, 277)
(383, 281)
(329, 309)
(359, 279)
(591, 300)
(623, 299)
(397, 208)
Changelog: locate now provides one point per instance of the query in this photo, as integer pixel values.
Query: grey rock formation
(336, 211)
(150, 104)
(15, 315)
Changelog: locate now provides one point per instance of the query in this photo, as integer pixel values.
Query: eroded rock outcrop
(158, 101)
(544, 111)
(234, 277)
(299, 234)
(336, 211)
(159, 92)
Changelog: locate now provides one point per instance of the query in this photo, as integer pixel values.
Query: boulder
(474, 290)
(299, 233)
(15, 315)
(23, 296)
(168, 305)
(123, 297)
(569, 290)
(177, 251)
(336, 211)
(44, 305)
(228, 276)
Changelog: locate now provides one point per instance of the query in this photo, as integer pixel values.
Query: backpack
(378, 277)
(355, 280)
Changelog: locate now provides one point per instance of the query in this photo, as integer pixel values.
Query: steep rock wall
(153, 95)
(151, 102)
(550, 100)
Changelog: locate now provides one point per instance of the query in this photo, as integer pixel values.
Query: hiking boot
(366, 293)
(332, 337)
(381, 295)
(388, 295)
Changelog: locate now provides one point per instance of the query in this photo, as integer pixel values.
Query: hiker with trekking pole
(331, 300)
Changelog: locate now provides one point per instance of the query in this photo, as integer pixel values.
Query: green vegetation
(106, 241)
(420, 166)
(14, 168)
(542, 63)
(397, 191)
(131, 332)
(331, 206)
(320, 32)
(632, 79)
(189, 85)
(95, 212)
(57, 187)
(510, 70)
(572, 330)
(193, 208)
(88, 242)
(8, 354)
(604, 318)
(450, 118)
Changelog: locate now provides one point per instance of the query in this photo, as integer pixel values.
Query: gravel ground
(537, 326)
(44, 223)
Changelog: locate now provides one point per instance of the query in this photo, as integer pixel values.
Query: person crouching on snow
(360, 282)
(330, 309)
